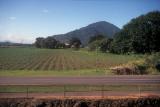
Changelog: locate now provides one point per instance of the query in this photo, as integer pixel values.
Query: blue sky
(24, 20)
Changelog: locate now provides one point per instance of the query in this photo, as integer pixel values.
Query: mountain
(8, 44)
(84, 33)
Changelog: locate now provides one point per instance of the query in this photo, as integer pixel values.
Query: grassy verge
(76, 88)
(30, 73)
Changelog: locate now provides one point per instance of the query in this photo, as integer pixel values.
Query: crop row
(46, 59)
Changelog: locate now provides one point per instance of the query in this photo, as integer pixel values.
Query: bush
(158, 66)
(100, 42)
(94, 45)
(149, 65)
(131, 68)
(153, 61)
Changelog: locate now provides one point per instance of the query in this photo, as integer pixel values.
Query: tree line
(51, 43)
(140, 35)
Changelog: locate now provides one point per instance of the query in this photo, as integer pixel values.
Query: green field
(58, 62)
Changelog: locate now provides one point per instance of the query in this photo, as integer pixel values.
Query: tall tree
(140, 35)
(39, 42)
(50, 42)
(75, 42)
(105, 45)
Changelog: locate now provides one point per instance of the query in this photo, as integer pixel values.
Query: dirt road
(105, 80)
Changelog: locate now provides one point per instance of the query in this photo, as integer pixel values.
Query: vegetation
(153, 63)
(149, 65)
(94, 42)
(51, 43)
(131, 68)
(48, 42)
(96, 38)
(56, 73)
(75, 43)
(100, 43)
(34, 59)
(140, 35)
(105, 45)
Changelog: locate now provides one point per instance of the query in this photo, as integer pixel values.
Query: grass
(30, 73)
(76, 88)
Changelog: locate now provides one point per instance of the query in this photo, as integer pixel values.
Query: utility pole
(102, 91)
(96, 55)
(27, 92)
(96, 59)
(139, 88)
(64, 94)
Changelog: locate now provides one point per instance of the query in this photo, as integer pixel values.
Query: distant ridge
(8, 43)
(84, 33)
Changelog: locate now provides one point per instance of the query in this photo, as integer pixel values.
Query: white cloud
(17, 38)
(45, 10)
(12, 18)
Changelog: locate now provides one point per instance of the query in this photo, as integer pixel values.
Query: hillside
(84, 33)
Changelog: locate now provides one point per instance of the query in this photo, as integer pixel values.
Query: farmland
(33, 72)
(28, 61)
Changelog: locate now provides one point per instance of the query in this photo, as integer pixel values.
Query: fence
(66, 91)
